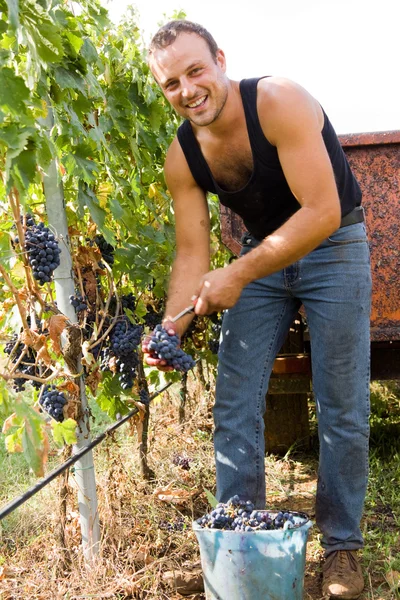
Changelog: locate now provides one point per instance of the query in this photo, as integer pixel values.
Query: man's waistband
(355, 216)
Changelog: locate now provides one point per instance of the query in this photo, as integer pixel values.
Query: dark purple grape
(164, 346)
(42, 249)
(106, 249)
(240, 515)
(52, 401)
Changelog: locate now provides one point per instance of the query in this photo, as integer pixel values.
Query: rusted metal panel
(375, 160)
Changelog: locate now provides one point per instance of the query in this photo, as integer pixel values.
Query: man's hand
(161, 365)
(218, 290)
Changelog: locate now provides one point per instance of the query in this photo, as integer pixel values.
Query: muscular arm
(192, 234)
(292, 120)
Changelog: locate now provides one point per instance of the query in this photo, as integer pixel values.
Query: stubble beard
(221, 101)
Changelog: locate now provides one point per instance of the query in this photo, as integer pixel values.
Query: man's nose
(188, 88)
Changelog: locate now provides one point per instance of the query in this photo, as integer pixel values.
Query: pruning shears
(183, 312)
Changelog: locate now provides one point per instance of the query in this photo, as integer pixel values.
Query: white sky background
(345, 52)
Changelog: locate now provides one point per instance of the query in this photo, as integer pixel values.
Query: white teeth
(197, 103)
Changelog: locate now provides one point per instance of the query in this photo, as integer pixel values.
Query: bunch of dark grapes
(27, 365)
(106, 249)
(213, 342)
(52, 401)
(78, 302)
(239, 515)
(152, 318)
(127, 366)
(42, 249)
(177, 525)
(129, 301)
(182, 461)
(164, 346)
(144, 396)
(124, 339)
(9, 347)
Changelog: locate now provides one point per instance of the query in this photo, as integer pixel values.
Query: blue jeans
(334, 284)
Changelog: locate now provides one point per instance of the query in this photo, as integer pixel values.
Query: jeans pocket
(352, 234)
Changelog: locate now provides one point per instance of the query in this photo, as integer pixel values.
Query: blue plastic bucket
(254, 565)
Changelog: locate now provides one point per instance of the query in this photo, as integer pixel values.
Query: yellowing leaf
(65, 432)
(13, 442)
(11, 421)
(18, 270)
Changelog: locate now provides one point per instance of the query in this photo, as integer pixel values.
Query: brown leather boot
(341, 575)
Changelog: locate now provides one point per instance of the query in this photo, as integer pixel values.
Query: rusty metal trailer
(375, 160)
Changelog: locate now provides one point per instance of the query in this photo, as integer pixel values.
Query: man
(266, 147)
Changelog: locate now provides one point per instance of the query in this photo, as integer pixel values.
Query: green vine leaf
(13, 92)
(64, 432)
(13, 14)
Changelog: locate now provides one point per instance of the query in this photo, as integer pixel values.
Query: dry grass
(135, 551)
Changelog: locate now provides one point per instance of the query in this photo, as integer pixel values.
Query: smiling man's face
(193, 81)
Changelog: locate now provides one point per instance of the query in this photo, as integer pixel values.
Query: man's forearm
(293, 240)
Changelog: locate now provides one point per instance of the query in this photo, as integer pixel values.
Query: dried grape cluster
(42, 249)
(106, 249)
(178, 525)
(182, 461)
(52, 401)
(164, 346)
(239, 515)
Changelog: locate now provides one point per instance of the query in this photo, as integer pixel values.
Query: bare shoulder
(284, 106)
(176, 168)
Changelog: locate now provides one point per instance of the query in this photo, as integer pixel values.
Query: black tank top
(266, 202)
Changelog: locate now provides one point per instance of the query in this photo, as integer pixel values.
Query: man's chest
(230, 162)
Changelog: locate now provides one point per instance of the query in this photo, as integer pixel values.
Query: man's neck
(231, 114)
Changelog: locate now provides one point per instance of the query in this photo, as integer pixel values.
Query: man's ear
(221, 60)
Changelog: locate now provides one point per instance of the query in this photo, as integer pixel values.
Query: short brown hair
(168, 33)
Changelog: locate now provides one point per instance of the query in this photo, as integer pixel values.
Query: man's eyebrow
(189, 68)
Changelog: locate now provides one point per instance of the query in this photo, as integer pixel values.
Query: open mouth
(199, 102)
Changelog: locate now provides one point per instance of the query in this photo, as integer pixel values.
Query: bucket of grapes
(249, 554)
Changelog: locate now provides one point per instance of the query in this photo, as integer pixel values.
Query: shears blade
(183, 312)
